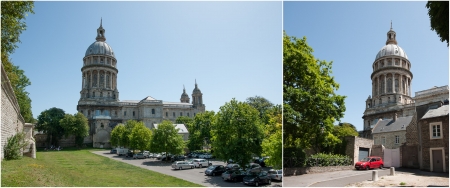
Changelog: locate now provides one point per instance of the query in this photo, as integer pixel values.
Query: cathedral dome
(100, 48)
(391, 49)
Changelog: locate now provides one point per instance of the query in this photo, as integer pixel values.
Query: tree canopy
(200, 130)
(237, 132)
(49, 122)
(259, 103)
(118, 137)
(140, 137)
(310, 104)
(272, 144)
(165, 138)
(438, 12)
(76, 125)
(12, 24)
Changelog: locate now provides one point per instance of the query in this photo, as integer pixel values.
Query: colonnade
(391, 83)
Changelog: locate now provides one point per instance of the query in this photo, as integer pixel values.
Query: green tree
(259, 103)
(438, 12)
(272, 144)
(118, 136)
(237, 132)
(12, 24)
(126, 135)
(76, 125)
(14, 145)
(310, 105)
(140, 137)
(165, 138)
(200, 130)
(49, 122)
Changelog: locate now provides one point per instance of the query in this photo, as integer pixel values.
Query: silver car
(182, 165)
(276, 174)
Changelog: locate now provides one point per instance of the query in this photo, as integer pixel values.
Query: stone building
(99, 97)
(391, 133)
(391, 85)
(433, 143)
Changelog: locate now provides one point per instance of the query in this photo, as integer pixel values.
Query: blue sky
(351, 33)
(232, 49)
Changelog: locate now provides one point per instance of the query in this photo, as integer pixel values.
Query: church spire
(100, 32)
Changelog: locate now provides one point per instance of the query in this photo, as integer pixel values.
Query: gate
(392, 157)
(363, 153)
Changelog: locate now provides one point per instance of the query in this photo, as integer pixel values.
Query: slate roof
(441, 111)
(388, 125)
(181, 128)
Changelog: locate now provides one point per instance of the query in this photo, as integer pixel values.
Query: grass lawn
(81, 168)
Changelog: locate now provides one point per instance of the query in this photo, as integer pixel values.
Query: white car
(146, 154)
(199, 163)
(182, 165)
(276, 174)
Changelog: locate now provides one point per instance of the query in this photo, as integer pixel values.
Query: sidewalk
(409, 178)
(306, 180)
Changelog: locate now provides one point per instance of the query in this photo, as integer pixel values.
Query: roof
(389, 125)
(181, 128)
(441, 111)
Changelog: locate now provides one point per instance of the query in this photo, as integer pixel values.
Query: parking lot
(195, 175)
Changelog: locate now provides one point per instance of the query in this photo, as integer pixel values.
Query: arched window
(167, 114)
(173, 114)
(108, 85)
(125, 113)
(133, 114)
(153, 111)
(94, 84)
(389, 85)
(101, 125)
(396, 85)
(102, 79)
(188, 114)
(181, 113)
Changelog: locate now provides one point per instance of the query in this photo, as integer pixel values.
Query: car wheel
(209, 164)
(381, 166)
(200, 166)
(281, 179)
(270, 182)
(181, 167)
(367, 167)
(192, 167)
(214, 174)
(257, 184)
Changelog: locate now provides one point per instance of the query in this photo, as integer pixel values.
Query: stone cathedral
(99, 97)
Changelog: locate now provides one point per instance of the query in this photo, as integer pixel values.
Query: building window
(133, 114)
(436, 130)
(174, 114)
(397, 139)
(125, 113)
(375, 140)
(153, 111)
(167, 114)
(188, 114)
(181, 113)
(383, 140)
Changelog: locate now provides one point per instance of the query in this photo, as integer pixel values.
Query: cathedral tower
(197, 98)
(184, 97)
(391, 83)
(99, 71)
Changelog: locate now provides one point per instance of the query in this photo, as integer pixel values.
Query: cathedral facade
(391, 85)
(99, 97)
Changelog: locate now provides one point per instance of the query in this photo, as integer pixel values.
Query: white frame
(431, 130)
(397, 139)
(383, 140)
(443, 158)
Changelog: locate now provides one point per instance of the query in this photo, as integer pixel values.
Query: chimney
(395, 117)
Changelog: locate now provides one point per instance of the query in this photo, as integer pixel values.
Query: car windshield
(211, 167)
(365, 159)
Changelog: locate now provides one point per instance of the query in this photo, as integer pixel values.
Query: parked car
(113, 151)
(232, 167)
(139, 156)
(122, 151)
(261, 161)
(253, 167)
(370, 162)
(129, 154)
(199, 163)
(276, 174)
(215, 170)
(146, 154)
(257, 179)
(178, 158)
(234, 175)
(182, 165)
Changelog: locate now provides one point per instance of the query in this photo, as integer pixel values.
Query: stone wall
(312, 170)
(378, 150)
(11, 120)
(410, 156)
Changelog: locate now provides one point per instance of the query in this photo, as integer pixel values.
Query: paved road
(331, 179)
(195, 175)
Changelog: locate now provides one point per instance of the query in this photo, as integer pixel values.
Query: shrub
(13, 146)
(322, 159)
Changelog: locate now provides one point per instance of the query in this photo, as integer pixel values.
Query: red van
(370, 162)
